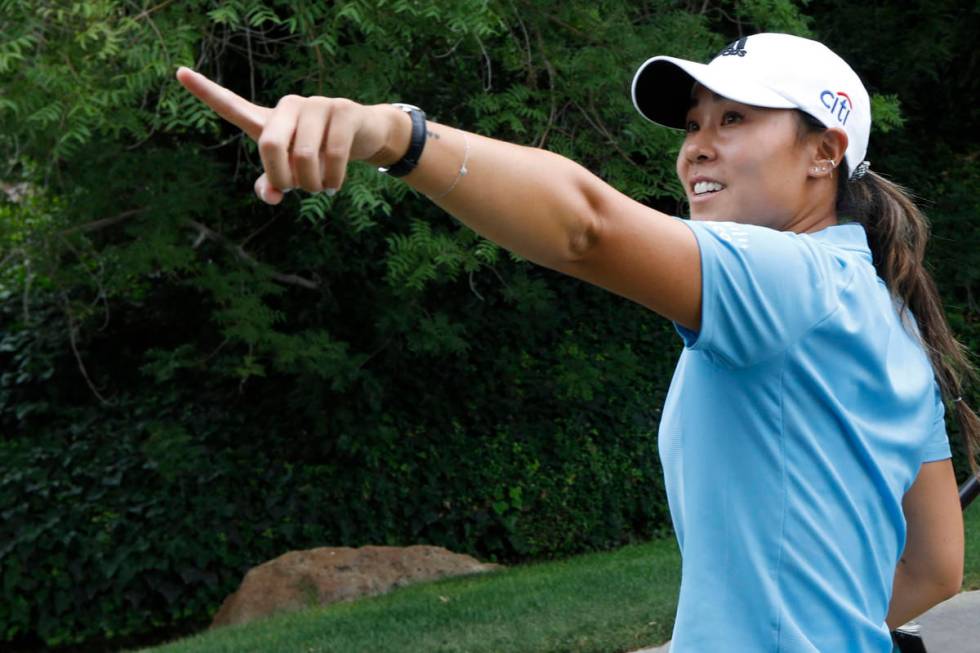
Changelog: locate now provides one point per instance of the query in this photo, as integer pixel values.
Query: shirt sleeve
(761, 290)
(937, 446)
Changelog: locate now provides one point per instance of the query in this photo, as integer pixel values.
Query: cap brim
(662, 89)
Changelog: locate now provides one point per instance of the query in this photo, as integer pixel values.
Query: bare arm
(543, 206)
(525, 199)
(554, 212)
(931, 567)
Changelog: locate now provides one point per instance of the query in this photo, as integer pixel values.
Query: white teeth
(706, 186)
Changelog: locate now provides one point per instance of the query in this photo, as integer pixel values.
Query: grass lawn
(598, 603)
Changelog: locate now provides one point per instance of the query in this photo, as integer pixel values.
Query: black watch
(411, 159)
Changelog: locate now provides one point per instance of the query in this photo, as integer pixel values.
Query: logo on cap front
(839, 104)
(738, 47)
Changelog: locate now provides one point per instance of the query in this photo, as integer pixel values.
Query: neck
(810, 226)
(819, 209)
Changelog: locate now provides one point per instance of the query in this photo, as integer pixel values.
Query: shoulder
(762, 289)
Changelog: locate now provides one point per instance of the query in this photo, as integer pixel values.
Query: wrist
(398, 135)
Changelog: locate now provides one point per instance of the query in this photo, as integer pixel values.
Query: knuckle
(269, 145)
(305, 153)
(335, 152)
(289, 99)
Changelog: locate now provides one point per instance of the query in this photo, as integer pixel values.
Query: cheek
(680, 165)
(773, 166)
(765, 185)
(788, 174)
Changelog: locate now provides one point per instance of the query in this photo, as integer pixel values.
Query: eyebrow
(714, 96)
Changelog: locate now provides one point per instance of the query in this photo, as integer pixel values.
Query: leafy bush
(192, 383)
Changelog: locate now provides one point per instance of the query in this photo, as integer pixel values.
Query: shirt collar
(850, 236)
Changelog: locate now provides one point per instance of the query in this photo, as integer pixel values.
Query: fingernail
(330, 191)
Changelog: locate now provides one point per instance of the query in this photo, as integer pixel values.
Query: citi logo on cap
(839, 104)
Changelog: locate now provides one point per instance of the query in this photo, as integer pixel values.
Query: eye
(731, 117)
(691, 126)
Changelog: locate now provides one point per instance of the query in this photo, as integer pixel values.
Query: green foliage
(102, 526)
(886, 113)
(192, 382)
(775, 16)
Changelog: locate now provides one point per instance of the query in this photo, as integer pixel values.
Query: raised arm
(538, 204)
(556, 213)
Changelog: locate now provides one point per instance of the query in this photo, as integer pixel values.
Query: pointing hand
(304, 142)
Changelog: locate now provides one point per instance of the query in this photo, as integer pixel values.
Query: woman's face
(743, 163)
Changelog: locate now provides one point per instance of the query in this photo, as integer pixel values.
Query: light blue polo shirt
(796, 420)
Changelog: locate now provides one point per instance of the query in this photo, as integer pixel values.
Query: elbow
(954, 577)
(588, 229)
(947, 585)
(585, 238)
(940, 582)
(953, 586)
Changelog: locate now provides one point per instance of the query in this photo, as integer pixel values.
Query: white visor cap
(778, 71)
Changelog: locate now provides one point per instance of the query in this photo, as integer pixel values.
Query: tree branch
(489, 64)
(204, 232)
(473, 288)
(95, 225)
(72, 334)
(209, 233)
(259, 230)
(596, 122)
(98, 282)
(551, 86)
(147, 12)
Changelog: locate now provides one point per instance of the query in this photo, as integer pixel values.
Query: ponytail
(897, 235)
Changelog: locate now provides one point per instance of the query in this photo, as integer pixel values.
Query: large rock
(301, 579)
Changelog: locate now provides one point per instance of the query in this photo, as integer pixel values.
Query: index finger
(249, 117)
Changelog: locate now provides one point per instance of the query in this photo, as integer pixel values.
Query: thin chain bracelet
(462, 168)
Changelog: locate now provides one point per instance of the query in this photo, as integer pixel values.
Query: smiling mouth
(707, 187)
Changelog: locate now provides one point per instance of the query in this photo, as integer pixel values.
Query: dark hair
(897, 235)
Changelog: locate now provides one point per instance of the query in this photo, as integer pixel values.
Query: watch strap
(411, 158)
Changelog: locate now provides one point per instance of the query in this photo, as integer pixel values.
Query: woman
(804, 450)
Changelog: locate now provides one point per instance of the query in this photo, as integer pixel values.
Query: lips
(701, 183)
(704, 188)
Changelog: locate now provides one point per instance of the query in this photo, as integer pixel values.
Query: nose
(698, 147)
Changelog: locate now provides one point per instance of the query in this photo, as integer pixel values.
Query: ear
(827, 152)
